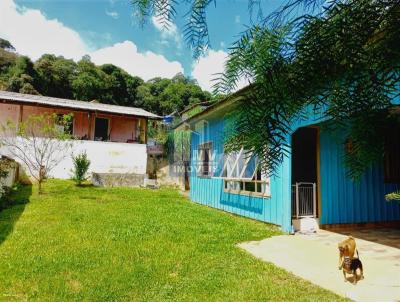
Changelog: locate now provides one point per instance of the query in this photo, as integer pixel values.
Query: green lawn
(95, 244)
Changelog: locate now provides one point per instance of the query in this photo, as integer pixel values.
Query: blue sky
(109, 33)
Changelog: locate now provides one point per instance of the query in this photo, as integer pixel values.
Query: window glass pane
(241, 161)
(259, 187)
(239, 165)
(257, 175)
(229, 185)
(250, 167)
(230, 162)
(250, 186)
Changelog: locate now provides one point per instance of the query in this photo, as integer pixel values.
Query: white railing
(304, 199)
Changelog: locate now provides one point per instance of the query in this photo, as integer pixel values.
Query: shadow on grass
(85, 185)
(12, 208)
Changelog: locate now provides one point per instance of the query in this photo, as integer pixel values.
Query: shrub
(5, 165)
(81, 167)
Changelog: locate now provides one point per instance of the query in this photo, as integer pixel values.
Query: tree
(6, 45)
(339, 57)
(90, 83)
(58, 77)
(123, 87)
(22, 76)
(39, 143)
(164, 96)
(7, 59)
(54, 76)
(22, 83)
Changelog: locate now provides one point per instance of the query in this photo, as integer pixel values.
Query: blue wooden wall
(210, 192)
(347, 201)
(342, 200)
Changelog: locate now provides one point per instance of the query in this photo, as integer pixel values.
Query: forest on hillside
(56, 76)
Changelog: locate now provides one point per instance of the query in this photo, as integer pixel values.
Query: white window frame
(238, 184)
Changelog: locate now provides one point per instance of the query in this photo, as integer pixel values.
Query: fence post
(297, 200)
(315, 199)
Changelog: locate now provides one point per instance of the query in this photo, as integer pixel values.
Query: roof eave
(71, 107)
(231, 99)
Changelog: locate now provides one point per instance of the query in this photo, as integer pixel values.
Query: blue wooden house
(311, 181)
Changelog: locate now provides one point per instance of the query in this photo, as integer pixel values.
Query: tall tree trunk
(40, 186)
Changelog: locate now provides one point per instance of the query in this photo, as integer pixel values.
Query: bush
(81, 167)
(4, 166)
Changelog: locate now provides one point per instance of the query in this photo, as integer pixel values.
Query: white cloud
(32, 34)
(207, 69)
(146, 65)
(169, 32)
(112, 14)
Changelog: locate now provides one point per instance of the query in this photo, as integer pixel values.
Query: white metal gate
(304, 199)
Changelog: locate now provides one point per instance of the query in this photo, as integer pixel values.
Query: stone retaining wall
(118, 179)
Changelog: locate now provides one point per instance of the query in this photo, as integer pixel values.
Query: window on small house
(101, 129)
(205, 159)
(392, 155)
(65, 125)
(241, 174)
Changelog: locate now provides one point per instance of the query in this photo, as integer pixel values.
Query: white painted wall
(105, 157)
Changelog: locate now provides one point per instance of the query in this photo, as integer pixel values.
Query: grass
(96, 244)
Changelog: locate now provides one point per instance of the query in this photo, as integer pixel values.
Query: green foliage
(194, 111)
(48, 125)
(393, 196)
(81, 167)
(5, 166)
(178, 145)
(55, 75)
(166, 96)
(343, 64)
(7, 59)
(58, 77)
(6, 45)
(339, 58)
(21, 76)
(158, 132)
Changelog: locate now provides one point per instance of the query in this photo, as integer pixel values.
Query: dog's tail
(358, 256)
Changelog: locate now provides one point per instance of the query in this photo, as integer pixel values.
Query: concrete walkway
(315, 258)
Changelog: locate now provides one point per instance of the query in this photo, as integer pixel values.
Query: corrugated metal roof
(230, 99)
(73, 104)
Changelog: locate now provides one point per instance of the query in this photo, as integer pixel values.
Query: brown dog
(346, 249)
(350, 266)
